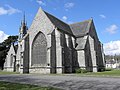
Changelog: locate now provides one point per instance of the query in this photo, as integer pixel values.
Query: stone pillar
(103, 56)
(53, 53)
(73, 41)
(48, 53)
(93, 54)
(25, 62)
(67, 40)
(59, 55)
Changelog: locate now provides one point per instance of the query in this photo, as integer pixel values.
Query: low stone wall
(8, 69)
(41, 70)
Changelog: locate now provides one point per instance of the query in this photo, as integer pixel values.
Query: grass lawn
(4, 72)
(15, 86)
(105, 73)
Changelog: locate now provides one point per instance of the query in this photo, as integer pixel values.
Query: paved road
(66, 82)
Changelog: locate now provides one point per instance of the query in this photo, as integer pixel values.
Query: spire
(23, 28)
(23, 19)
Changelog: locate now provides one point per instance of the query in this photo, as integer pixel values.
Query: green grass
(105, 73)
(15, 86)
(4, 73)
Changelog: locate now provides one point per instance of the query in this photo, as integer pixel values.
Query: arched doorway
(39, 50)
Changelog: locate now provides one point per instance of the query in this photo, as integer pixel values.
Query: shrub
(79, 70)
(83, 71)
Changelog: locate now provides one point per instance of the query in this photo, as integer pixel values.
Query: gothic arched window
(39, 50)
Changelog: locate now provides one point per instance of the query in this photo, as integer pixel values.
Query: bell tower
(23, 28)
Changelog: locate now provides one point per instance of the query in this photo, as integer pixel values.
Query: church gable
(92, 31)
(81, 28)
(41, 23)
(45, 20)
(10, 56)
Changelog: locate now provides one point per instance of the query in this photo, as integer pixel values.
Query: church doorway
(39, 50)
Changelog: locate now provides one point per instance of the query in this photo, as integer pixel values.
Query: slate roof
(81, 28)
(77, 29)
(81, 42)
(59, 24)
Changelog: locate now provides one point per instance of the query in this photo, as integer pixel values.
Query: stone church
(52, 46)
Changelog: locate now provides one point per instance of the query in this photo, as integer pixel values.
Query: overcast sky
(105, 13)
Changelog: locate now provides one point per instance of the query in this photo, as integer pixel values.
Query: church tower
(23, 28)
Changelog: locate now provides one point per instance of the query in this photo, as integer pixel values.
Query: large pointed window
(39, 50)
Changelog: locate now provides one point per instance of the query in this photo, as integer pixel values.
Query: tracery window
(39, 50)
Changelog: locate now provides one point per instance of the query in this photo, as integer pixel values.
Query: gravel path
(66, 82)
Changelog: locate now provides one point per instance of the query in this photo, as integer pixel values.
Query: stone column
(59, 51)
(73, 41)
(48, 53)
(103, 56)
(26, 55)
